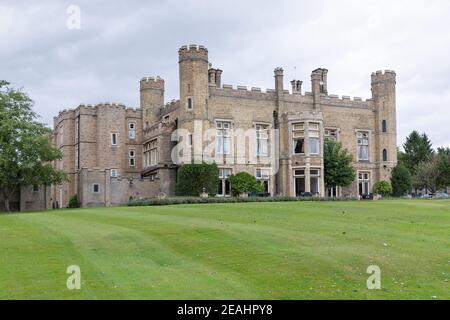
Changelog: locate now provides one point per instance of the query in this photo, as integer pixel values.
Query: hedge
(192, 178)
(195, 200)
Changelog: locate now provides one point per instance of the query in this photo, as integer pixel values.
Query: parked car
(427, 196)
(442, 195)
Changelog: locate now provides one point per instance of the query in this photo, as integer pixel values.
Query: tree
(382, 187)
(418, 148)
(244, 182)
(26, 150)
(428, 174)
(192, 178)
(337, 165)
(444, 167)
(400, 180)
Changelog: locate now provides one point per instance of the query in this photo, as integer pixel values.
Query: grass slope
(291, 250)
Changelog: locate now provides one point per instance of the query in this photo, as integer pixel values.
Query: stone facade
(289, 130)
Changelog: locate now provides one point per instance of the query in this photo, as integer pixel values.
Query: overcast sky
(119, 42)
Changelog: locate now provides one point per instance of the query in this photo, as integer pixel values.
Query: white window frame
(114, 173)
(315, 175)
(223, 133)
(263, 175)
(132, 130)
(313, 135)
(222, 180)
(366, 177)
(328, 134)
(262, 136)
(298, 133)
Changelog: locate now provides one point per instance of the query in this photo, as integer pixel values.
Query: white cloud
(119, 42)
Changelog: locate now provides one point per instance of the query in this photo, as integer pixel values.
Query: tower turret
(152, 99)
(319, 85)
(193, 67)
(383, 95)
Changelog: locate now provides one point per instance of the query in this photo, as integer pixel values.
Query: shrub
(73, 201)
(401, 180)
(244, 182)
(198, 200)
(192, 178)
(382, 187)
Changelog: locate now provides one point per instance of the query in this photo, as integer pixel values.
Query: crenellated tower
(383, 95)
(193, 67)
(152, 99)
(319, 85)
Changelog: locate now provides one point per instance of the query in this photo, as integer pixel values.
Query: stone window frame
(368, 180)
(305, 133)
(94, 185)
(229, 136)
(384, 155)
(190, 107)
(310, 130)
(222, 180)
(151, 153)
(132, 131)
(318, 176)
(116, 134)
(337, 136)
(369, 139)
(263, 178)
(384, 126)
(35, 188)
(132, 158)
(268, 127)
(301, 136)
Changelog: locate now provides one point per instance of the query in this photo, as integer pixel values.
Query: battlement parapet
(155, 83)
(169, 107)
(193, 52)
(345, 101)
(158, 129)
(380, 76)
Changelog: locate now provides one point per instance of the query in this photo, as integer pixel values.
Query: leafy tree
(400, 180)
(444, 167)
(418, 148)
(428, 174)
(26, 150)
(382, 187)
(337, 165)
(192, 178)
(244, 182)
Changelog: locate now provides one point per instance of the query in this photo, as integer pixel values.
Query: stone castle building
(112, 152)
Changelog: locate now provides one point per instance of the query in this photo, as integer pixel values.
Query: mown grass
(276, 250)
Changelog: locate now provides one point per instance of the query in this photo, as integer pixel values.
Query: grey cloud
(121, 41)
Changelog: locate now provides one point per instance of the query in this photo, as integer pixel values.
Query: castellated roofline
(379, 75)
(90, 107)
(193, 52)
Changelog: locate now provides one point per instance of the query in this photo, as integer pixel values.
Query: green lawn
(285, 250)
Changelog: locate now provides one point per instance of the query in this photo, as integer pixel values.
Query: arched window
(384, 126)
(384, 155)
